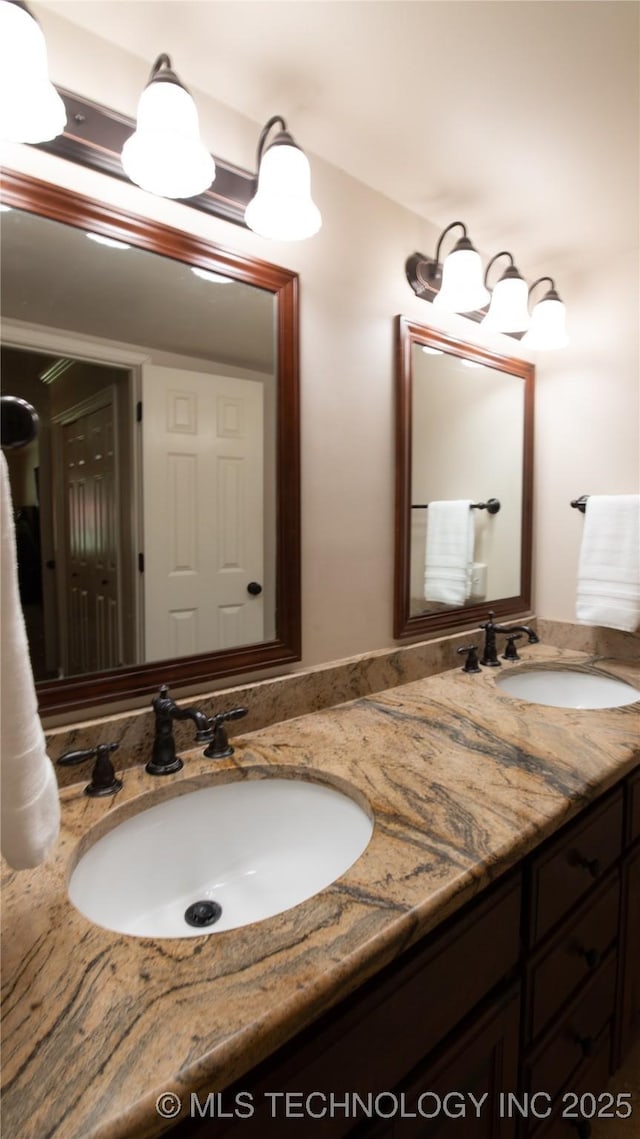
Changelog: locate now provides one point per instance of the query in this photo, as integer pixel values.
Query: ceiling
(53, 277)
(519, 116)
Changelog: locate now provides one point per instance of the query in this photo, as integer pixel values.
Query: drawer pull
(583, 1129)
(591, 956)
(588, 1045)
(590, 864)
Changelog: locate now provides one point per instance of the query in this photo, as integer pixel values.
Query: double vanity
(485, 940)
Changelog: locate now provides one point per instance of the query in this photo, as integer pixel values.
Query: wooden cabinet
(534, 987)
(376, 1038)
(629, 987)
(458, 1093)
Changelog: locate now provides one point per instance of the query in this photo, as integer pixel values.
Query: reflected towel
(609, 568)
(30, 806)
(449, 551)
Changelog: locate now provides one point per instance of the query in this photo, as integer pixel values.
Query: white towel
(30, 805)
(609, 568)
(449, 551)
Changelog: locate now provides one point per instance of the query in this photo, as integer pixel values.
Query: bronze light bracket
(94, 137)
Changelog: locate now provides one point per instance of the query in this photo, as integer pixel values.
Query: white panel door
(203, 511)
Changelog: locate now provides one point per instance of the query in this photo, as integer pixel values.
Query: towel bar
(492, 505)
(580, 503)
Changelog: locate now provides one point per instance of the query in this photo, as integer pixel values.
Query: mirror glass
(463, 501)
(151, 510)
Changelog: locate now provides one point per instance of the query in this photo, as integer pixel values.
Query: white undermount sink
(235, 853)
(568, 688)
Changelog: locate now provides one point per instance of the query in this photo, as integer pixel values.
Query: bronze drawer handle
(590, 864)
(591, 956)
(588, 1045)
(583, 1129)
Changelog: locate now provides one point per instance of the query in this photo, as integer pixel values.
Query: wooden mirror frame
(91, 690)
(408, 333)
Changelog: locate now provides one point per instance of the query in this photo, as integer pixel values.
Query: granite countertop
(463, 781)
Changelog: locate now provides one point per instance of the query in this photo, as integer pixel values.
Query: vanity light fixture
(31, 109)
(547, 328)
(454, 287)
(165, 155)
(282, 207)
(508, 311)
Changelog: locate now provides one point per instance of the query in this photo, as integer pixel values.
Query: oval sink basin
(224, 856)
(566, 688)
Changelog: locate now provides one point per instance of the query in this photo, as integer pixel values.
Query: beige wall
(352, 285)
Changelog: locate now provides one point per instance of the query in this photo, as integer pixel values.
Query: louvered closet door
(203, 511)
(91, 540)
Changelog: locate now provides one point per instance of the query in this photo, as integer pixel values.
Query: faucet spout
(204, 731)
(532, 636)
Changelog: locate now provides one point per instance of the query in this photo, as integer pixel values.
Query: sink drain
(202, 913)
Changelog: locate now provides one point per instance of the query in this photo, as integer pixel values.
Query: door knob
(254, 588)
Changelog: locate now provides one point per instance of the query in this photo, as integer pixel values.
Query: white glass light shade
(547, 328)
(30, 108)
(282, 208)
(508, 311)
(462, 288)
(165, 155)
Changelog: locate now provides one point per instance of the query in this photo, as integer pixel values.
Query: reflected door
(90, 542)
(203, 512)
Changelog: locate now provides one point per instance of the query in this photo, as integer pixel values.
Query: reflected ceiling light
(547, 328)
(508, 311)
(432, 351)
(213, 278)
(31, 109)
(110, 242)
(4, 209)
(282, 207)
(165, 155)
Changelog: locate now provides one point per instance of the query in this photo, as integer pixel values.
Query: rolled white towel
(29, 800)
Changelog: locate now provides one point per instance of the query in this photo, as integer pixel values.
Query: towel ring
(18, 422)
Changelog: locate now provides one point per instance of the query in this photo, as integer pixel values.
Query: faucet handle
(220, 748)
(511, 652)
(103, 777)
(471, 663)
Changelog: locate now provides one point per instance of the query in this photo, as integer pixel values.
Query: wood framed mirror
(179, 560)
(464, 432)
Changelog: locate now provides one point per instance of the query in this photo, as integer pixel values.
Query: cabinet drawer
(590, 1081)
(634, 808)
(572, 863)
(576, 1038)
(572, 956)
